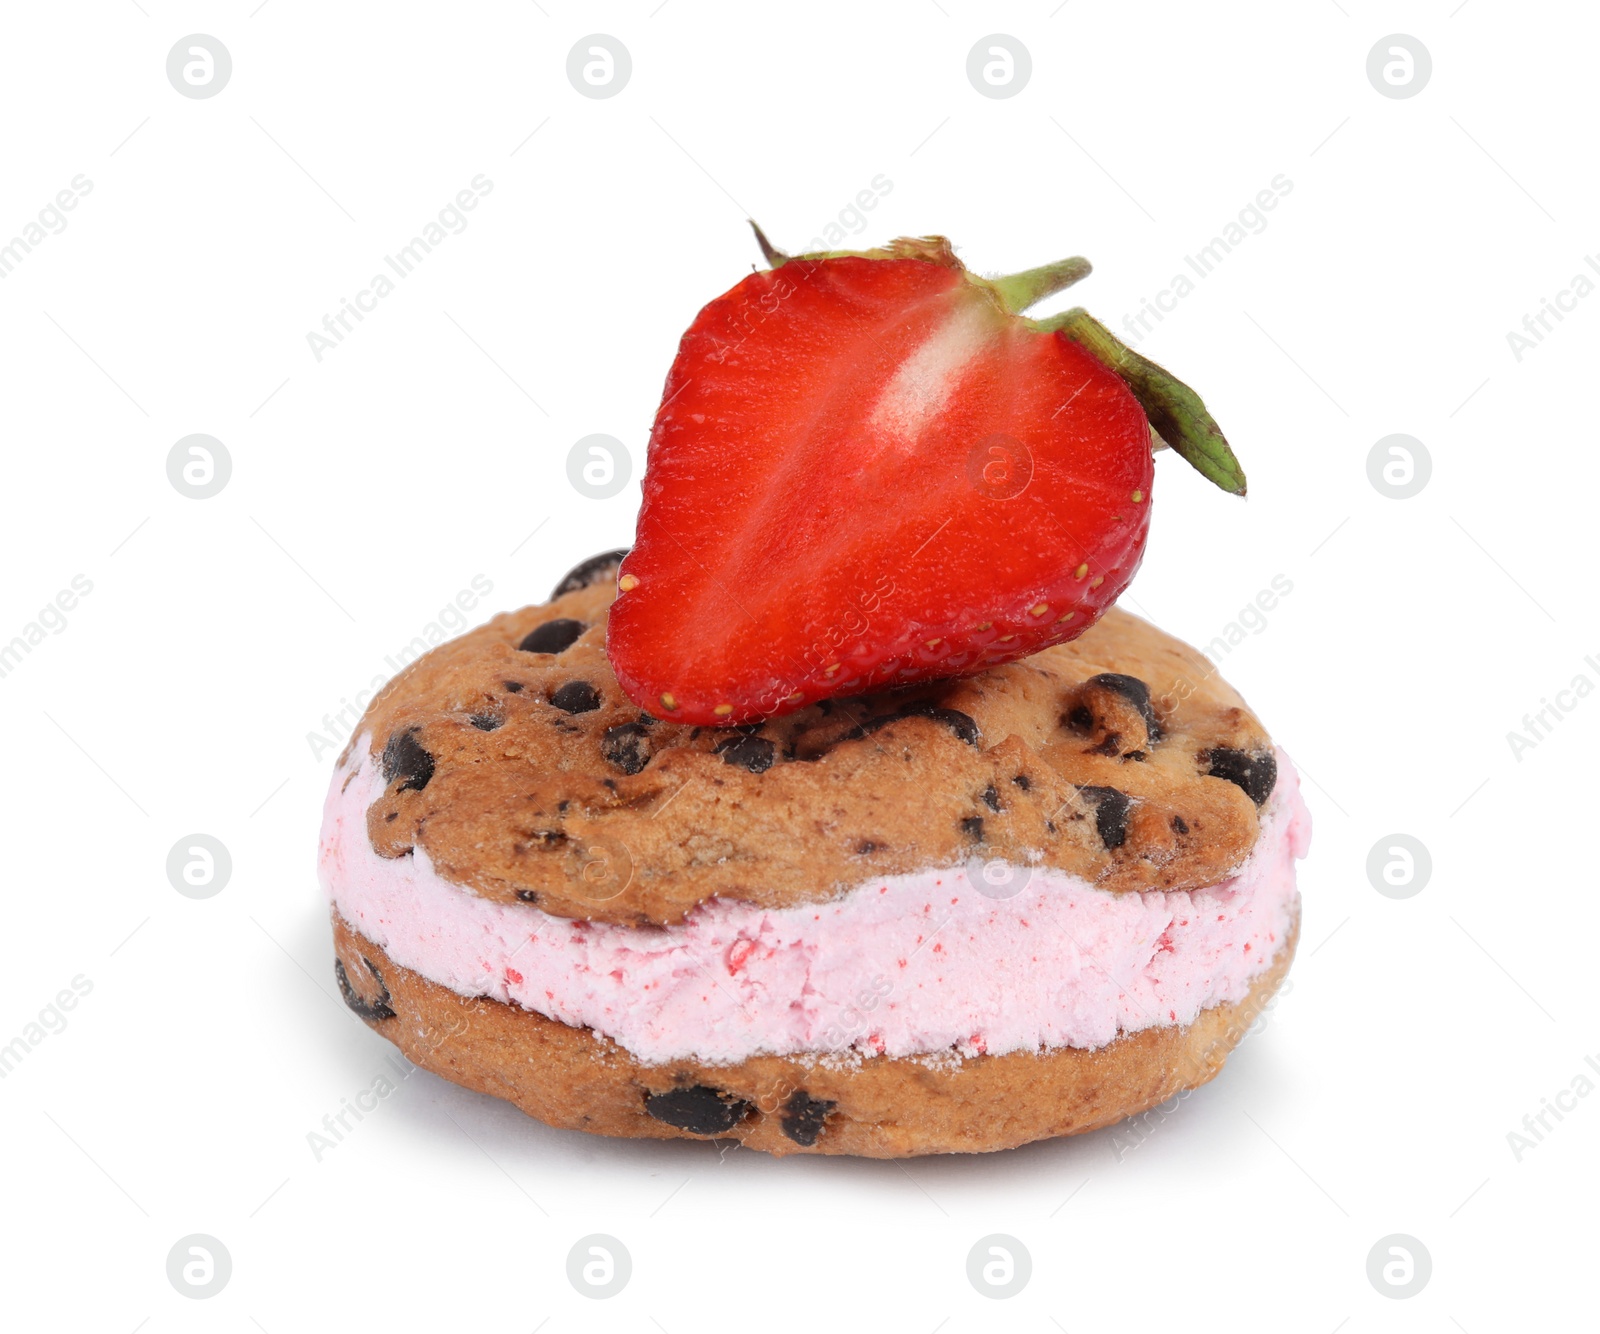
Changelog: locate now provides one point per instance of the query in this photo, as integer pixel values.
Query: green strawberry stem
(1021, 290)
(1176, 412)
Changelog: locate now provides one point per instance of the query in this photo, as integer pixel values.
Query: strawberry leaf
(1176, 412)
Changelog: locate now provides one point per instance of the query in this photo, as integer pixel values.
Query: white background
(430, 447)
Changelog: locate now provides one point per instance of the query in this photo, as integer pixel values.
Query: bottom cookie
(872, 1107)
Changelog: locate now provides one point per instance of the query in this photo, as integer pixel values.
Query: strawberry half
(870, 469)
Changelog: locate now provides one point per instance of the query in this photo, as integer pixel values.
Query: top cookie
(516, 762)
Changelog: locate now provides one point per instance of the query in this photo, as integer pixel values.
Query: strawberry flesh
(867, 472)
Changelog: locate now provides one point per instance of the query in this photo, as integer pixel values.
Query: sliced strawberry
(869, 469)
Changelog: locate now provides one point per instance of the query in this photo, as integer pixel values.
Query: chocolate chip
(1023, 781)
(1108, 746)
(625, 747)
(972, 827)
(699, 1110)
(528, 895)
(405, 758)
(576, 697)
(1135, 755)
(962, 725)
(373, 1010)
(515, 687)
(1110, 813)
(486, 722)
(1079, 719)
(553, 636)
(754, 753)
(991, 798)
(803, 1116)
(592, 571)
(1136, 692)
(1256, 774)
(648, 719)
(866, 847)
(1180, 825)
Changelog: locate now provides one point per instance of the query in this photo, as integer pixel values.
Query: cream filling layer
(980, 959)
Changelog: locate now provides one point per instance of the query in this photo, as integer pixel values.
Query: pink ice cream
(904, 965)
